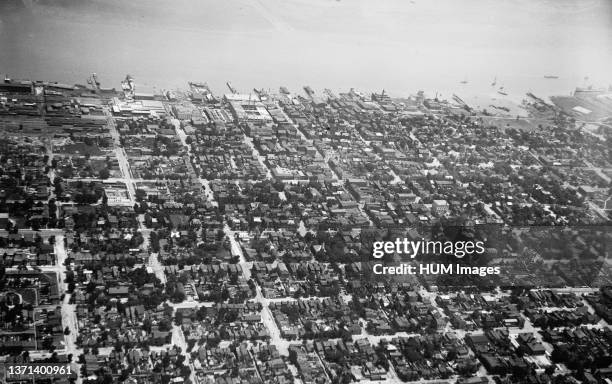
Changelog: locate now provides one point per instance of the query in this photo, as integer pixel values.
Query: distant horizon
(396, 45)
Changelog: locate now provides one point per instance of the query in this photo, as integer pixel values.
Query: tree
(108, 379)
(178, 296)
(48, 344)
(178, 318)
(104, 173)
(185, 371)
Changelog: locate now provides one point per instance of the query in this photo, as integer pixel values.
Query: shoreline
(447, 94)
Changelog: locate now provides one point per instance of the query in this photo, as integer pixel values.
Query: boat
(458, 99)
(589, 89)
(462, 103)
(501, 91)
(464, 81)
(261, 93)
(94, 77)
(380, 97)
(195, 84)
(129, 87)
(171, 95)
(551, 77)
(308, 90)
(231, 88)
(93, 81)
(494, 83)
(501, 108)
(128, 83)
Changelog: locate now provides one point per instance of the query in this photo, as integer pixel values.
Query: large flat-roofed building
(440, 207)
(14, 86)
(281, 173)
(247, 107)
(144, 96)
(140, 107)
(117, 195)
(182, 112)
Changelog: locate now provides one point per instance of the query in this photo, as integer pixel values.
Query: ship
(231, 88)
(381, 97)
(462, 103)
(502, 108)
(171, 95)
(200, 92)
(128, 83)
(129, 88)
(551, 77)
(93, 81)
(261, 93)
(501, 91)
(355, 93)
(198, 85)
(590, 90)
(308, 91)
(538, 99)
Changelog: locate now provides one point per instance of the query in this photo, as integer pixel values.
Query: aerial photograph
(305, 191)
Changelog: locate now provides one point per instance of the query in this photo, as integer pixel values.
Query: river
(442, 46)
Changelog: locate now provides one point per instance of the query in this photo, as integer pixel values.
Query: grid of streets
(187, 237)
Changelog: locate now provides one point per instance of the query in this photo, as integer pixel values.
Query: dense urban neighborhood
(182, 236)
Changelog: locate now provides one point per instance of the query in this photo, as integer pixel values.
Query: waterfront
(334, 44)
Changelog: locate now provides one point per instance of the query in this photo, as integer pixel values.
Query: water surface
(399, 45)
